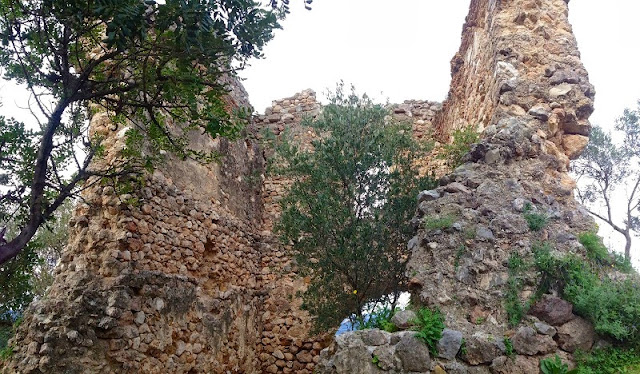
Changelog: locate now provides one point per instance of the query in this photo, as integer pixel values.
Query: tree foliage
(347, 213)
(609, 176)
(30, 274)
(156, 66)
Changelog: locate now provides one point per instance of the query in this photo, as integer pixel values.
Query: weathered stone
(428, 195)
(544, 329)
(403, 319)
(574, 145)
(493, 157)
(449, 345)
(413, 354)
(560, 90)
(439, 370)
(356, 360)
(375, 337)
(562, 76)
(552, 310)
(480, 349)
(456, 187)
(484, 233)
(387, 360)
(577, 333)
(517, 365)
(540, 112)
(527, 342)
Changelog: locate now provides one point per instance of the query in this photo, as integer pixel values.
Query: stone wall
(176, 276)
(166, 278)
(519, 79)
(184, 274)
(520, 59)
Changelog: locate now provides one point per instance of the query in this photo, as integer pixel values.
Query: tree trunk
(627, 246)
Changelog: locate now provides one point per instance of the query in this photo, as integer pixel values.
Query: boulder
(553, 310)
(480, 348)
(354, 360)
(577, 333)
(428, 195)
(387, 359)
(544, 329)
(517, 365)
(375, 337)
(528, 342)
(403, 319)
(413, 354)
(574, 145)
(449, 345)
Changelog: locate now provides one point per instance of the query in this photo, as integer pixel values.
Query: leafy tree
(347, 212)
(30, 274)
(145, 63)
(609, 177)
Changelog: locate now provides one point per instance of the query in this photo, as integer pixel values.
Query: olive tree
(346, 215)
(609, 177)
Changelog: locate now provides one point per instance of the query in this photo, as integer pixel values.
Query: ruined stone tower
(185, 276)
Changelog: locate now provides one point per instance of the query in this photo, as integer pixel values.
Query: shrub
(612, 306)
(347, 210)
(513, 305)
(535, 221)
(598, 252)
(462, 140)
(429, 325)
(613, 360)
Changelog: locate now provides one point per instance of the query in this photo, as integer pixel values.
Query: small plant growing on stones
(513, 305)
(508, 347)
(555, 366)
(379, 319)
(535, 221)
(463, 347)
(461, 250)
(438, 223)
(598, 252)
(462, 140)
(376, 361)
(611, 360)
(429, 325)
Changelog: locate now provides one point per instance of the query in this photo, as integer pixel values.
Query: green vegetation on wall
(455, 151)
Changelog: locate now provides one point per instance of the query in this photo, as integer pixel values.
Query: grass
(438, 223)
(379, 319)
(508, 347)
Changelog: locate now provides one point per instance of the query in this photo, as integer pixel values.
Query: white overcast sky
(402, 51)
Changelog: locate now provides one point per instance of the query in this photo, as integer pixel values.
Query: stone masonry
(184, 274)
(518, 79)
